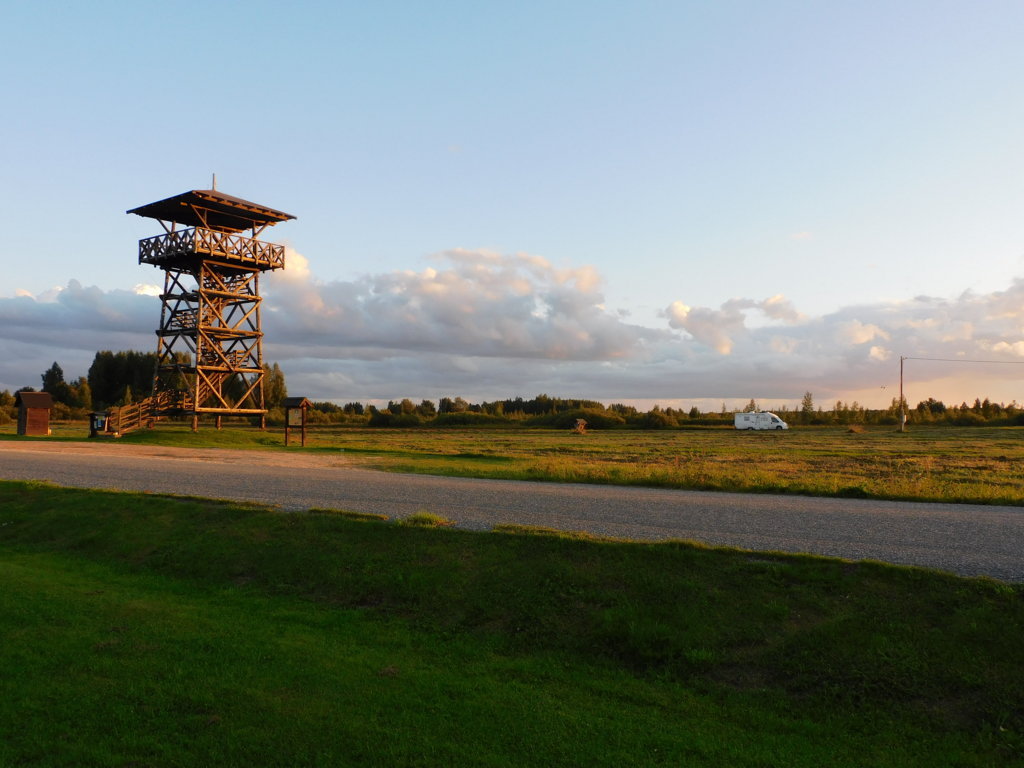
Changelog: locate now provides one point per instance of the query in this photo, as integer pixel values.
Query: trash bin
(97, 422)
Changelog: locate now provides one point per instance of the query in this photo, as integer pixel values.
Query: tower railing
(197, 241)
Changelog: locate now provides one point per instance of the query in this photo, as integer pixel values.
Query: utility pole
(903, 413)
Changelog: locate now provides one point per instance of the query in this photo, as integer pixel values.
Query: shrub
(365, 517)
(968, 419)
(388, 419)
(567, 419)
(467, 419)
(657, 419)
(60, 412)
(426, 520)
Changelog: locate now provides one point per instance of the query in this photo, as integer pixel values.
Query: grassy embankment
(953, 464)
(143, 630)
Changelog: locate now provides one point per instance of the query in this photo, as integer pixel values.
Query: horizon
(705, 405)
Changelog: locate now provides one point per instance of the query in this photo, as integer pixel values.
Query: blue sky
(655, 201)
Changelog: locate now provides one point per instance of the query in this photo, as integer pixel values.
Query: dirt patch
(105, 447)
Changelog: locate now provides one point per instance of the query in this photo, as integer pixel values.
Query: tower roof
(212, 209)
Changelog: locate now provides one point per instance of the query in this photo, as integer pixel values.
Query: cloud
(69, 325)
(73, 314)
(715, 328)
(1016, 349)
(719, 328)
(474, 303)
(486, 325)
(856, 332)
(853, 347)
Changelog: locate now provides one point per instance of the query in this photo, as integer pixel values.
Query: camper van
(759, 420)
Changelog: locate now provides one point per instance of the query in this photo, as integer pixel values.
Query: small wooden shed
(33, 412)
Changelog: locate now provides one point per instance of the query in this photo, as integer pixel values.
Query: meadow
(140, 630)
(982, 465)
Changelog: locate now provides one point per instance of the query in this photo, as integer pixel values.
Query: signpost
(295, 416)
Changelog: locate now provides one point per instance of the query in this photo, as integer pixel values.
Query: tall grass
(951, 464)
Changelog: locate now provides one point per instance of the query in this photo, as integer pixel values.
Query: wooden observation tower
(209, 343)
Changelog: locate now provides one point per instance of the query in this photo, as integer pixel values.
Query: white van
(759, 420)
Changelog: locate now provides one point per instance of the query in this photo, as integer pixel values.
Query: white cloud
(476, 303)
(856, 332)
(778, 307)
(486, 325)
(720, 328)
(70, 325)
(1016, 348)
(714, 328)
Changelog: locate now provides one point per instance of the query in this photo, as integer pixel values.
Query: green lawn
(148, 631)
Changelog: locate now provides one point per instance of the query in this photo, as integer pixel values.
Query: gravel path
(966, 539)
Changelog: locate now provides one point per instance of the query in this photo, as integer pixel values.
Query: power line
(948, 360)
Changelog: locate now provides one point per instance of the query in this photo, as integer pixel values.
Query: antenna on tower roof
(214, 182)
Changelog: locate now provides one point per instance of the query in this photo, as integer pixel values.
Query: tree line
(119, 378)
(546, 411)
(115, 379)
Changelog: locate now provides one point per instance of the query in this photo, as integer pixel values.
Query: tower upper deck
(213, 222)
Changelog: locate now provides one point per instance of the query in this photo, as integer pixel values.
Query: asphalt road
(969, 540)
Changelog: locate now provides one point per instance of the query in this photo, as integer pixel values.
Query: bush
(467, 419)
(60, 412)
(388, 419)
(658, 420)
(968, 419)
(567, 419)
(426, 520)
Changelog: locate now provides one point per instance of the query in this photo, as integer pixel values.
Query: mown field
(138, 630)
(952, 464)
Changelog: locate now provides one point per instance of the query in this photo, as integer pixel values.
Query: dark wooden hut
(33, 412)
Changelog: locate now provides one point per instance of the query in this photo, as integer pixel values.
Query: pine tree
(807, 408)
(53, 382)
(53, 376)
(274, 388)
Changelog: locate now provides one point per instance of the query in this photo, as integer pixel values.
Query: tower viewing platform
(212, 222)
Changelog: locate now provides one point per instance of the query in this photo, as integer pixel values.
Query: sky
(655, 202)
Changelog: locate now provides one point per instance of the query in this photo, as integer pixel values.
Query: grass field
(952, 464)
(138, 630)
